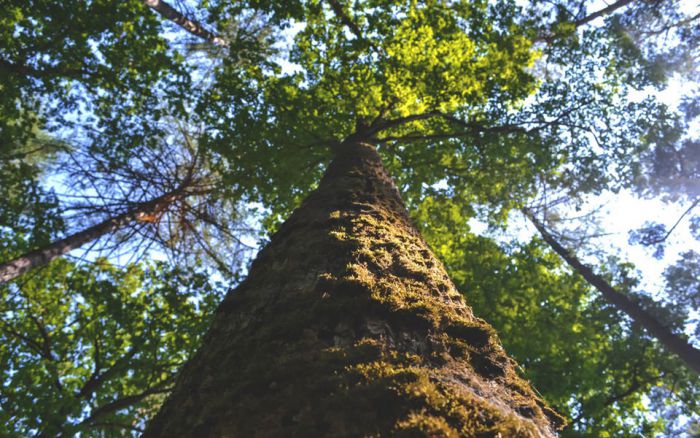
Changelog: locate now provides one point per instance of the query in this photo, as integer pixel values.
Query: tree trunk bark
(348, 325)
(42, 256)
(671, 341)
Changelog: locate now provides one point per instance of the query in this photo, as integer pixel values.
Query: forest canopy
(148, 149)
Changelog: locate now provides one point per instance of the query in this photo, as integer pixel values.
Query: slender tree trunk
(671, 341)
(42, 256)
(348, 325)
(191, 26)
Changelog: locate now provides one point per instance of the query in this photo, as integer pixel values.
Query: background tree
(93, 349)
(553, 323)
(160, 196)
(673, 342)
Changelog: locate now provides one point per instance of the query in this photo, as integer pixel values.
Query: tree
(94, 349)
(461, 99)
(348, 324)
(606, 366)
(672, 341)
(350, 127)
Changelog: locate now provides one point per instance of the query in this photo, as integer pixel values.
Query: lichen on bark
(348, 325)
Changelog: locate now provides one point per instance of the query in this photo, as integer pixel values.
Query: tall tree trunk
(168, 12)
(348, 325)
(671, 341)
(42, 256)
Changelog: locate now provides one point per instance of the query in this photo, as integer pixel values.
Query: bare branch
(190, 25)
(675, 225)
(602, 12)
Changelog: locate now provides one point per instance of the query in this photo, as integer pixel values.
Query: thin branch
(548, 37)
(45, 72)
(107, 424)
(670, 26)
(602, 12)
(347, 21)
(96, 379)
(124, 402)
(190, 25)
(669, 232)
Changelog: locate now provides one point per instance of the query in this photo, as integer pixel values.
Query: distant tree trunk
(42, 256)
(348, 325)
(168, 12)
(671, 341)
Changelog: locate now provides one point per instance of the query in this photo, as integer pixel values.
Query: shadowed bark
(348, 325)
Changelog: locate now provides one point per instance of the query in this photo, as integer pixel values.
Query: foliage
(29, 215)
(102, 62)
(553, 325)
(95, 348)
(340, 81)
(683, 285)
(476, 106)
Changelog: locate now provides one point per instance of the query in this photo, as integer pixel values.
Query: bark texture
(348, 325)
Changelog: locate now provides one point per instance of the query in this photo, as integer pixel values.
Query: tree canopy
(477, 108)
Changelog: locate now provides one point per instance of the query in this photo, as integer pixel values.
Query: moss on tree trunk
(349, 326)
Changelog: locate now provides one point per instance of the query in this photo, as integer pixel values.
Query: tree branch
(669, 232)
(96, 379)
(45, 72)
(602, 12)
(382, 125)
(347, 21)
(193, 27)
(124, 402)
(614, 398)
(340, 13)
(548, 37)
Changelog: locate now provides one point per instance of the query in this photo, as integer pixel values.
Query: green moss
(473, 334)
(422, 425)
